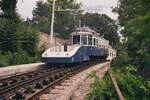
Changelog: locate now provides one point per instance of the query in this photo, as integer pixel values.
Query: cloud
(25, 8)
(100, 6)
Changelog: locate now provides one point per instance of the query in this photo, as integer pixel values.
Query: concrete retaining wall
(17, 69)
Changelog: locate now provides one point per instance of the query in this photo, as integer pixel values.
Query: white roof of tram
(85, 30)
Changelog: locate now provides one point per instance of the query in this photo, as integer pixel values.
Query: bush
(5, 59)
(101, 89)
(18, 42)
(21, 57)
(132, 85)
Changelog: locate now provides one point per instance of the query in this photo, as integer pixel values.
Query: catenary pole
(52, 23)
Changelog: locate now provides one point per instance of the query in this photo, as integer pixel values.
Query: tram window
(94, 42)
(97, 42)
(84, 40)
(76, 39)
(90, 41)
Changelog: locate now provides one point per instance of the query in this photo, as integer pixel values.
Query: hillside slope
(44, 41)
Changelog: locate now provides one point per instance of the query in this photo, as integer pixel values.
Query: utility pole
(52, 20)
(52, 23)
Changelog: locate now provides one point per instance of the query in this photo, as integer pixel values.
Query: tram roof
(80, 30)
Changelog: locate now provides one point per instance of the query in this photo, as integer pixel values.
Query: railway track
(4, 81)
(11, 80)
(118, 91)
(9, 85)
(31, 85)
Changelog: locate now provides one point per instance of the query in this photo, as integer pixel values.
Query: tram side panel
(84, 53)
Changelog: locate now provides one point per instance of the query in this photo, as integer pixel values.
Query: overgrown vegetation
(134, 16)
(131, 67)
(132, 85)
(101, 90)
(18, 41)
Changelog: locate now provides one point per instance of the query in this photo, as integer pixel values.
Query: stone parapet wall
(17, 69)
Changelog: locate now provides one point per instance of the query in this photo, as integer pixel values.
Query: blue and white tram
(86, 45)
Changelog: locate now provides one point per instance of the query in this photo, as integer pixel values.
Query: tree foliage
(17, 38)
(134, 16)
(131, 67)
(139, 40)
(128, 9)
(65, 20)
(41, 9)
(101, 89)
(8, 8)
(132, 85)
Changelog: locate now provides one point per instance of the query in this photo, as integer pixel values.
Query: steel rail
(9, 91)
(116, 85)
(19, 75)
(23, 75)
(15, 76)
(56, 82)
(23, 84)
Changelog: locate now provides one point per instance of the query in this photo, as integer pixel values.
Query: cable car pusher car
(86, 45)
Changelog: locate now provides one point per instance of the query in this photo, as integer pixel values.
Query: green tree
(41, 17)
(138, 41)
(16, 36)
(8, 8)
(41, 9)
(7, 35)
(134, 17)
(129, 9)
(65, 21)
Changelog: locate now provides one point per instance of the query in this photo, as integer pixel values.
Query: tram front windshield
(76, 39)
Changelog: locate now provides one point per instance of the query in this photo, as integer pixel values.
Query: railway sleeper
(13, 81)
(38, 86)
(29, 76)
(45, 82)
(61, 74)
(4, 84)
(22, 78)
(51, 79)
(18, 96)
(35, 74)
(56, 76)
(29, 90)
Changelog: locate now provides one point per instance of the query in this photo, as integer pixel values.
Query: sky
(25, 7)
